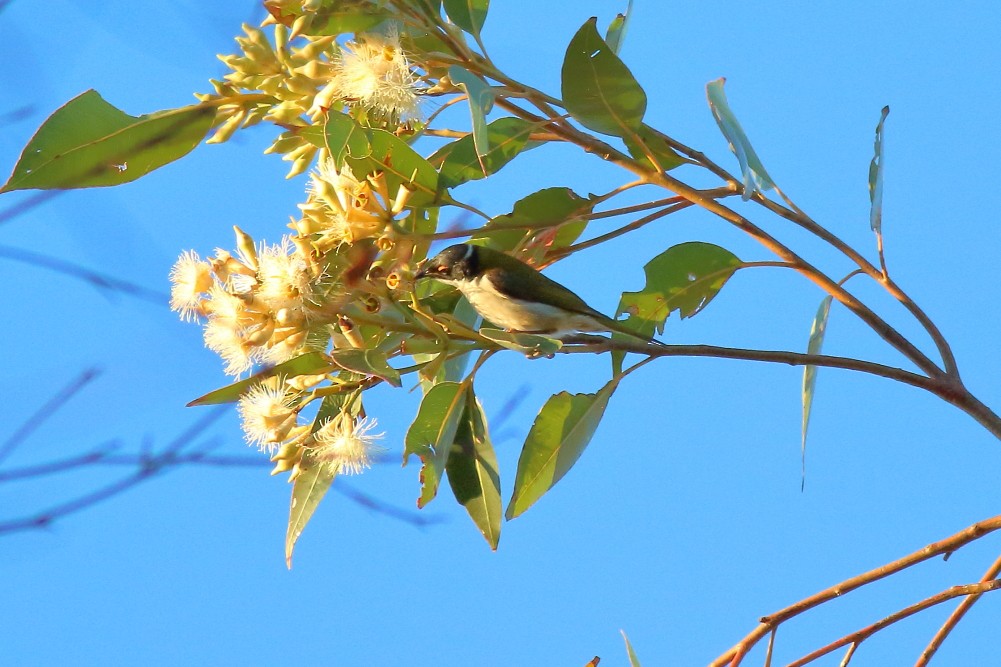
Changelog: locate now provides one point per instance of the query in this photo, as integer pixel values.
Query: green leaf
(685, 277)
(473, 472)
(432, 434)
(310, 363)
(633, 660)
(481, 101)
(560, 207)
(755, 178)
(308, 490)
(368, 151)
(616, 32)
(367, 362)
(343, 137)
(506, 138)
(813, 346)
(599, 91)
(467, 14)
(531, 345)
(647, 142)
(561, 432)
(89, 143)
(876, 176)
(347, 17)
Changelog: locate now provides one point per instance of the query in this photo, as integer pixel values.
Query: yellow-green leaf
(90, 143)
(367, 362)
(561, 432)
(599, 91)
(306, 364)
(432, 434)
(308, 490)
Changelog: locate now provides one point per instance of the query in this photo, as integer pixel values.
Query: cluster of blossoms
(270, 421)
(265, 304)
(295, 86)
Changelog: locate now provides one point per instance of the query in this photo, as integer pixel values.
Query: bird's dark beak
(422, 272)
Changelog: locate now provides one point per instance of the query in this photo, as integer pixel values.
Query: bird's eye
(441, 269)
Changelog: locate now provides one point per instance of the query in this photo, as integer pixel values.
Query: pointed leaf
(481, 100)
(561, 432)
(310, 363)
(876, 177)
(633, 660)
(616, 32)
(599, 91)
(308, 490)
(367, 362)
(685, 277)
(506, 138)
(532, 345)
(467, 14)
(473, 473)
(814, 346)
(560, 207)
(755, 178)
(646, 140)
(90, 143)
(397, 161)
(432, 434)
(342, 136)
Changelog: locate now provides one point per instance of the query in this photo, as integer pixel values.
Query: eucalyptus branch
(735, 655)
(990, 582)
(967, 591)
(807, 223)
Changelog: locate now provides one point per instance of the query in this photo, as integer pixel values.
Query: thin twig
(47, 410)
(957, 614)
(736, 654)
(855, 638)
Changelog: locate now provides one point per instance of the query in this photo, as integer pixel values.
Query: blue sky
(682, 524)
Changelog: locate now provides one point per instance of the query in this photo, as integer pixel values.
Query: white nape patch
(524, 316)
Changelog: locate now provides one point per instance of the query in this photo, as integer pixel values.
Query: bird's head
(456, 263)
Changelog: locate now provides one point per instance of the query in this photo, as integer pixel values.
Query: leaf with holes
(561, 432)
(89, 143)
(599, 91)
(685, 277)
(431, 436)
(473, 472)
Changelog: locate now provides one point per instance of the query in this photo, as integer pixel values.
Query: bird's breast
(509, 313)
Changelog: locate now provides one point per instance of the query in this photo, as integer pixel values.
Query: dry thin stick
(857, 637)
(957, 615)
(736, 653)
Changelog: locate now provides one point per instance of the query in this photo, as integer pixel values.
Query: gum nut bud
(393, 280)
(304, 382)
(281, 466)
(296, 471)
(283, 317)
(301, 25)
(296, 340)
(246, 246)
(262, 335)
(371, 304)
(384, 243)
(376, 272)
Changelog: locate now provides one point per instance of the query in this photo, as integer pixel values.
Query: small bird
(513, 295)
